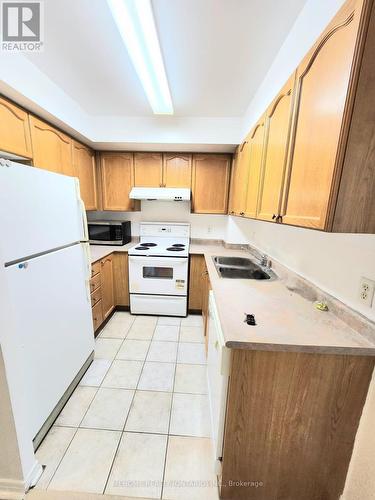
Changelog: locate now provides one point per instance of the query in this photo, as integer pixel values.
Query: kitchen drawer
(95, 268)
(97, 315)
(95, 282)
(96, 295)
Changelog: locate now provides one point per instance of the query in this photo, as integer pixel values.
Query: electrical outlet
(209, 229)
(366, 291)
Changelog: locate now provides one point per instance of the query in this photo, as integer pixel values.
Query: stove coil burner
(178, 245)
(148, 244)
(175, 249)
(141, 248)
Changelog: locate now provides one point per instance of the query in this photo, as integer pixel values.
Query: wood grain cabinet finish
(14, 130)
(197, 274)
(121, 279)
(322, 85)
(291, 423)
(256, 151)
(148, 169)
(210, 183)
(278, 120)
(117, 179)
(97, 314)
(52, 150)
(177, 170)
(84, 165)
(107, 286)
(239, 182)
(329, 179)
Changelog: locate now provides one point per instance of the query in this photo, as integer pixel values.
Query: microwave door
(103, 234)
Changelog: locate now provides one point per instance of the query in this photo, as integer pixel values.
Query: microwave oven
(109, 232)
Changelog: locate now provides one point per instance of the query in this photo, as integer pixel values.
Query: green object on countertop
(321, 306)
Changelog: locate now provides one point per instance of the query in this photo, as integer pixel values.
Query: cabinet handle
(242, 214)
(274, 217)
(279, 218)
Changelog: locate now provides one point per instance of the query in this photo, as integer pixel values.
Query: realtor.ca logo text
(22, 26)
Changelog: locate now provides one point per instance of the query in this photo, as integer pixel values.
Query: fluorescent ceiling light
(136, 24)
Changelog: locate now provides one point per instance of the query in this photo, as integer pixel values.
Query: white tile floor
(138, 424)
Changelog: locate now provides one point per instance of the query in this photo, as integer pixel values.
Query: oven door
(158, 275)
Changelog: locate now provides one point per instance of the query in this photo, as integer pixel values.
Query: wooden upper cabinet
(84, 164)
(210, 183)
(177, 170)
(52, 149)
(240, 179)
(148, 169)
(256, 148)
(117, 179)
(14, 130)
(321, 93)
(278, 121)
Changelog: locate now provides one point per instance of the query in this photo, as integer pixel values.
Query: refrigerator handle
(87, 265)
(82, 212)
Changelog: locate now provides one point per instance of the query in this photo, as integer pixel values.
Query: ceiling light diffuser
(136, 24)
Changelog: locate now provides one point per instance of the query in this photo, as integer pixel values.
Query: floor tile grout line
(170, 416)
(127, 416)
(79, 425)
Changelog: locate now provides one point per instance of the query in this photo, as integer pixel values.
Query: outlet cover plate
(366, 291)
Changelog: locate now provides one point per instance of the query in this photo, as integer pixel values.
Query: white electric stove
(158, 269)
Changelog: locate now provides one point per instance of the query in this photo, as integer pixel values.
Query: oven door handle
(155, 261)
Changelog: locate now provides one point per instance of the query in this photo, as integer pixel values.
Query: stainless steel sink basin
(241, 268)
(233, 261)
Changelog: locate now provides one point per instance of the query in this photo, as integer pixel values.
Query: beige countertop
(286, 321)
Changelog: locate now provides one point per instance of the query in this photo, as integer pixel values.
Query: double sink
(241, 268)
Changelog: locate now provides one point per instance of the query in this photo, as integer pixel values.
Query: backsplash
(202, 226)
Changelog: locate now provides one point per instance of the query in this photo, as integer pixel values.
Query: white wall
(202, 226)
(312, 20)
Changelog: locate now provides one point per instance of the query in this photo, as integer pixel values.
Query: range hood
(163, 194)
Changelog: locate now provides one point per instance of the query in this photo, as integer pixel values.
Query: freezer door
(50, 332)
(39, 211)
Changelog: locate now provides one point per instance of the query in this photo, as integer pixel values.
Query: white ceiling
(216, 52)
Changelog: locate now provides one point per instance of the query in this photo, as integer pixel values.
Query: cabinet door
(240, 179)
(256, 146)
(14, 130)
(52, 149)
(121, 278)
(97, 315)
(196, 282)
(148, 169)
(321, 93)
(278, 120)
(177, 170)
(108, 297)
(84, 164)
(117, 177)
(210, 183)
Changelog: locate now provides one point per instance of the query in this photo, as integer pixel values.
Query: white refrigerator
(46, 331)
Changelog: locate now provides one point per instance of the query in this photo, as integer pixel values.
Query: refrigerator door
(41, 211)
(50, 334)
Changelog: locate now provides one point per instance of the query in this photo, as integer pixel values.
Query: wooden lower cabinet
(109, 286)
(108, 293)
(291, 423)
(97, 315)
(199, 287)
(121, 279)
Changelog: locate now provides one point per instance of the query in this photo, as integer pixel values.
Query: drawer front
(95, 268)
(96, 296)
(95, 282)
(97, 315)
